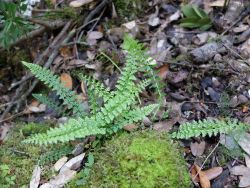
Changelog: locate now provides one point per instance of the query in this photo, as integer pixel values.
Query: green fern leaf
(207, 128)
(52, 81)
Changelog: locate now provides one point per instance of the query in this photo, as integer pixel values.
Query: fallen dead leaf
(66, 80)
(204, 181)
(73, 164)
(58, 165)
(94, 35)
(213, 173)
(79, 3)
(247, 160)
(162, 71)
(3, 132)
(244, 172)
(244, 141)
(35, 179)
(65, 52)
(218, 3)
(197, 149)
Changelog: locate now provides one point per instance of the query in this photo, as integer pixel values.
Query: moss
(21, 158)
(130, 9)
(144, 159)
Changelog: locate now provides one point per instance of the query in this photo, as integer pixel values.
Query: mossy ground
(139, 160)
(21, 158)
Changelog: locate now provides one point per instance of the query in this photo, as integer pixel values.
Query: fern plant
(208, 128)
(119, 105)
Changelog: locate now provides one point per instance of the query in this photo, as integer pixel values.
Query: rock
(242, 99)
(58, 165)
(153, 21)
(35, 179)
(218, 58)
(131, 27)
(204, 53)
(215, 96)
(73, 163)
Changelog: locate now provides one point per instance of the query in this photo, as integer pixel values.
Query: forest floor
(202, 65)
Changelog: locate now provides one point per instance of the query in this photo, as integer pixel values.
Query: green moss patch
(21, 158)
(144, 159)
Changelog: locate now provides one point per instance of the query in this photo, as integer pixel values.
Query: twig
(206, 160)
(44, 54)
(96, 10)
(16, 100)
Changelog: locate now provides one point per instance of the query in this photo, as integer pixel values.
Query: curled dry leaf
(198, 149)
(204, 181)
(213, 173)
(66, 80)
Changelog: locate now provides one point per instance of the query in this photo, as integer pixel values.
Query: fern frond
(96, 87)
(52, 81)
(50, 103)
(73, 129)
(116, 104)
(207, 128)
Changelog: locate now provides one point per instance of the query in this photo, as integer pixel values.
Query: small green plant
(141, 159)
(120, 106)
(195, 18)
(55, 154)
(13, 26)
(6, 179)
(208, 128)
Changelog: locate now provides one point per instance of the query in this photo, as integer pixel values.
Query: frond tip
(207, 128)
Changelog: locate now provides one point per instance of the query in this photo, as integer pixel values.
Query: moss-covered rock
(139, 160)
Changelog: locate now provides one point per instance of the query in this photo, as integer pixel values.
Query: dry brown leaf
(66, 80)
(204, 181)
(213, 173)
(66, 52)
(198, 148)
(163, 71)
(244, 109)
(84, 92)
